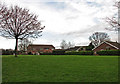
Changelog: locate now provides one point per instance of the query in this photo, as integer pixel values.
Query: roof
(75, 48)
(41, 45)
(59, 49)
(113, 44)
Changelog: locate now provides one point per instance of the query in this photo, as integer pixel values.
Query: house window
(41, 49)
(81, 49)
(46, 48)
(101, 49)
(33, 48)
(84, 49)
(52, 48)
(108, 48)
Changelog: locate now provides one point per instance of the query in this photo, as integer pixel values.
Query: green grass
(60, 68)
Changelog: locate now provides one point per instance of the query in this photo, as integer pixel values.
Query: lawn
(60, 68)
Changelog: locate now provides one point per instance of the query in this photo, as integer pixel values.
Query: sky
(70, 20)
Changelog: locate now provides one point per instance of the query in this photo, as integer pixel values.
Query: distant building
(77, 48)
(81, 48)
(37, 49)
(107, 45)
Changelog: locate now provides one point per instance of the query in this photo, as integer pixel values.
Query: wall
(103, 46)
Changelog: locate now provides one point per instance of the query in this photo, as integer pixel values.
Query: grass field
(56, 68)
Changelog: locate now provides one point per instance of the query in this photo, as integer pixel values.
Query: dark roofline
(113, 44)
(40, 45)
(107, 42)
(80, 46)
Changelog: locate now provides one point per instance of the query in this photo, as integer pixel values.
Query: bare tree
(70, 44)
(23, 44)
(98, 37)
(18, 23)
(114, 21)
(63, 45)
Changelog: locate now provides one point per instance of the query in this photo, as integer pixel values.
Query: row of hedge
(7, 52)
(62, 52)
(55, 52)
(109, 52)
(79, 53)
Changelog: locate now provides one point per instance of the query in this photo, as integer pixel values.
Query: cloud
(72, 20)
(88, 30)
(7, 43)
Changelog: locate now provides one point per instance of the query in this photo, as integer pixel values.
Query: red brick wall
(35, 49)
(103, 46)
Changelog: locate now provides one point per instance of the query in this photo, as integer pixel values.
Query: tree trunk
(16, 47)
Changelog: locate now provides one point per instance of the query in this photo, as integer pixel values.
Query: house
(77, 48)
(37, 49)
(107, 45)
(81, 48)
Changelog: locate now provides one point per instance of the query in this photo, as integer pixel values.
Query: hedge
(55, 52)
(62, 52)
(46, 53)
(109, 52)
(58, 52)
(29, 53)
(79, 53)
(7, 52)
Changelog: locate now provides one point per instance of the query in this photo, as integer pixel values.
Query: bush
(45, 53)
(62, 52)
(58, 52)
(55, 52)
(7, 52)
(30, 53)
(109, 52)
(79, 53)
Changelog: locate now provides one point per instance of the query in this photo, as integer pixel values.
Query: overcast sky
(71, 20)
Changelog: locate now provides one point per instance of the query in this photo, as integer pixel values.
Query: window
(101, 49)
(33, 48)
(46, 48)
(52, 48)
(108, 48)
(41, 49)
(81, 48)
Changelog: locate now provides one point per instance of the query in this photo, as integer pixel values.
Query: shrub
(55, 52)
(109, 52)
(79, 53)
(30, 53)
(58, 52)
(7, 52)
(46, 53)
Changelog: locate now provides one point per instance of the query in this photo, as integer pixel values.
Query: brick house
(37, 49)
(107, 45)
